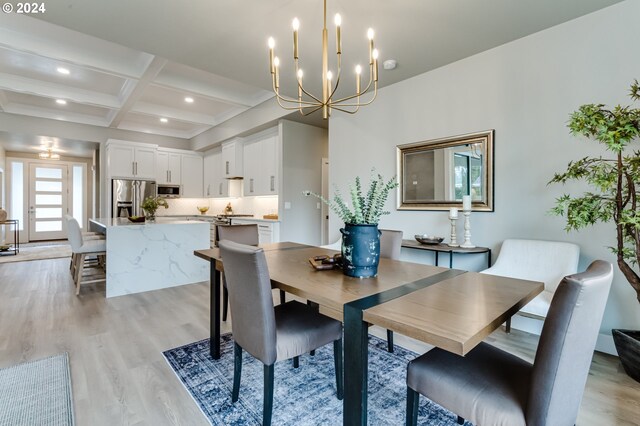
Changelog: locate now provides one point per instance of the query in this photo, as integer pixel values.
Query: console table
(16, 237)
(444, 248)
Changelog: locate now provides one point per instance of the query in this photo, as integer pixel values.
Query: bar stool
(81, 249)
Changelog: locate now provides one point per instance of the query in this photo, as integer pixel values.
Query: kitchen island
(152, 255)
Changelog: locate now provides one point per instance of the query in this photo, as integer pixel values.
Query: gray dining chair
(267, 333)
(492, 387)
(242, 234)
(390, 247)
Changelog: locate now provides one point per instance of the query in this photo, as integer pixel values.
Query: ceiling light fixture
(163, 120)
(49, 155)
(61, 102)
(326, 102)
(188, 100)
(63, 70)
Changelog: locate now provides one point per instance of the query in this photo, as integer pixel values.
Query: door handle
(208, 189)
(133, 168)
(220, 188)
(227, 168)
(170, 177)
(251, 185)
(273, 183)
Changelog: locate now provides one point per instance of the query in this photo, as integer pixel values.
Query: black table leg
(437, 253)
(356, 367)
(214, 311)
(450, 260)
(489, 259)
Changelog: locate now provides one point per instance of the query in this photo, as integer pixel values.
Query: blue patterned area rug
(302, 396)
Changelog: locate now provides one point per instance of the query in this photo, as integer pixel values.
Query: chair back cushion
(243, 234)
(537, 260)
(566, 346)
(390, 244)
(74, 234)
(249, 286)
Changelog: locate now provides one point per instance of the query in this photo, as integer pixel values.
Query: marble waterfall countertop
(152, 255)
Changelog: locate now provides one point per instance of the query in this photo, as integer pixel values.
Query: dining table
(447, 308)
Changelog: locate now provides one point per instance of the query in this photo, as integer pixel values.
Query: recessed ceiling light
(390, 64)
(61, 101)
(63, 70)
(188, 100)
(163, 120)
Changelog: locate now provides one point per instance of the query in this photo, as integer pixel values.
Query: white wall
(525, 90)
(303, 148)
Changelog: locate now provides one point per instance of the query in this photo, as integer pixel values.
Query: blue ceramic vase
(360, 250)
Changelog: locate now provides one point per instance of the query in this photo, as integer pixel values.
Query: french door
(48, 201)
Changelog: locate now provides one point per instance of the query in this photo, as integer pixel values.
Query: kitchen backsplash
(183, 206)
(257, 206)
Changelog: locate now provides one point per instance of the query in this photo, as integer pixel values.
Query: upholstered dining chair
(243, 234)
(80, 249)
(267, 333)
(390, 247)
(492, 387)
(536, 260)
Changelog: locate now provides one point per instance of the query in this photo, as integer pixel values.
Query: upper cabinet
(169, 169)
(261, 165)
(232, 159)
(191, 176)
(127, 160)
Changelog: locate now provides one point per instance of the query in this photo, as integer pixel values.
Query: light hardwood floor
(115, 347)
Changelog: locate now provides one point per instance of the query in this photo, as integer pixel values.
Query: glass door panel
(48, 201)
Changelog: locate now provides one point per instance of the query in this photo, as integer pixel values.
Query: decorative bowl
(428, 239)
(4, 247)
(136, 219)
(203, 210)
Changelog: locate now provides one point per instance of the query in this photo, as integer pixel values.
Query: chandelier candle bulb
(370, 37)
(296, 26)
(338, 21)
(271, 44)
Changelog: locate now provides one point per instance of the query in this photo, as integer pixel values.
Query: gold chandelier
(306, 102)
(49, 155)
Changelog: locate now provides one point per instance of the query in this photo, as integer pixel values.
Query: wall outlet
(318, 206)
(287, 205)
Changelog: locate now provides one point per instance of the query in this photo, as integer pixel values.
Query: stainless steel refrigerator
(128, 194)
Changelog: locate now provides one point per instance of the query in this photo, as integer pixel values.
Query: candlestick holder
(467, 230)
(454, 241)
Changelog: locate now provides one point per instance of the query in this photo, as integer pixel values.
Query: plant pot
(360, 250)
(149, 216)
(628, 347)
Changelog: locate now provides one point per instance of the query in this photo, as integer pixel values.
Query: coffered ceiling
(129, 65)
(52, 72)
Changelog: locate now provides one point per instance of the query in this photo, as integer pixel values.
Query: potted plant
(360, 235)
(616, 197)
(151, 204)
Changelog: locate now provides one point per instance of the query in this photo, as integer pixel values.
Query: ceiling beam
(137, 91)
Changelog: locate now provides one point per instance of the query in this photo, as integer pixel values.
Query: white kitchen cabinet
(268, 230)
(169, 168)
(232, 158)
(215, 184)
(252, 181)
(191, 176)
(261, 166)
(129, 161)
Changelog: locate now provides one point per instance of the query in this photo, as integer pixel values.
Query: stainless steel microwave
(169, 191)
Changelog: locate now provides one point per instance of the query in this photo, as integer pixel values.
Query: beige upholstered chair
(536, 260)
(390, 247)
(242, 234)
(80, 250)
(267, 333)
(492, 387)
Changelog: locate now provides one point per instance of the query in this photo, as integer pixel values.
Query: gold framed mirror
(435, 174)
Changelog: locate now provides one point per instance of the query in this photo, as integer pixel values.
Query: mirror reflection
(434, 175)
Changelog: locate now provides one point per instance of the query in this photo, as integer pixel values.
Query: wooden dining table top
(454, 314)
